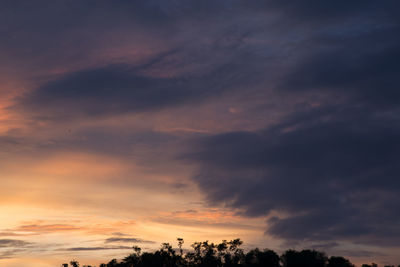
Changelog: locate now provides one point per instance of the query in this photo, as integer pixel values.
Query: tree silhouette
(204, 255)
(112, 263)
(266, 258)
(180, 243)
(339, 262)
(235, 255)
(305, 258)
(134, 258)
(225, 254)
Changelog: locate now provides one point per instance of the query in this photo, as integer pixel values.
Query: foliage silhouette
(339, 262)
(309, 258)
(224, 254)
(257, 258)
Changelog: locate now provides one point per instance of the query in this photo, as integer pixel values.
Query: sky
(131, 122)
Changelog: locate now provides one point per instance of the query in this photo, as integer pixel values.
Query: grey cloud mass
(337, 175)
(333, 166)
(322, 162)
(113, 89)
(119, 89)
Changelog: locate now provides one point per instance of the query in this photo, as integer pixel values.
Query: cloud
(119, 234)
(44, 228)
(196, 65)
(13, 233)
(314, 11)
(118, 89)
(127, 240)
(8, 254)
(92, 21)
(40, 228)
(103, 91)
(328, 169)
(334, 173)
(95, 248)
(206, 224)
(7, 243)
(325, 246)
(324, 76)
(352, 70)
(362, 253)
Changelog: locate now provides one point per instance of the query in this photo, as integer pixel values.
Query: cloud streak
(127, 240)
(13, 243)
(95, 248)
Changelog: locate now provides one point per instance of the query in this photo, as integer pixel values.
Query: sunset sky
(127, 122)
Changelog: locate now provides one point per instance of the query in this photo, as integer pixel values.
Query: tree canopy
(224, 254)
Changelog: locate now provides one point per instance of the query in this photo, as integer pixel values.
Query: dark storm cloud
(314, 10)
(56, 33)
(364, 68)
(336, 175)
(352, 52)
(334, 168)
(49, 23)
(109, 90)
(118, 89)
(216, 53)
(63, 30)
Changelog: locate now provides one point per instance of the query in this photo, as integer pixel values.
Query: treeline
(225, 254)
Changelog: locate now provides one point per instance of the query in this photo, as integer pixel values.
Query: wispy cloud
(45, 228)
(127, 240)
(12, 243)
(95, 248)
